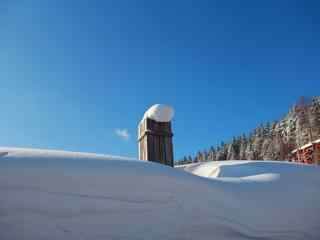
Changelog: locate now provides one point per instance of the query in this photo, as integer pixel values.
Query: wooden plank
(164, 151)
(156, 150)
(161, 150)
(169, 151)
(146, 150)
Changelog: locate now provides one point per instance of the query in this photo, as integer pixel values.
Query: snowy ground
(60, 195)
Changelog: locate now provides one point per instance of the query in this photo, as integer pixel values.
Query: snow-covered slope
(60, 195)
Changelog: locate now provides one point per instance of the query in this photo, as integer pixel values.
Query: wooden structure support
(155, 141)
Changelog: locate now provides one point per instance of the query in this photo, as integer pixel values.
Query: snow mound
(239, 169)
(159, 113)
(208, 169)
(62, 195)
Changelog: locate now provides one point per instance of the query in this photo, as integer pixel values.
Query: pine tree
(272, 141)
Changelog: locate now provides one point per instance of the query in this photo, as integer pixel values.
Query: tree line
(270, 141)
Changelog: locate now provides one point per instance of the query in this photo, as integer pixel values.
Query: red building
(309, 153)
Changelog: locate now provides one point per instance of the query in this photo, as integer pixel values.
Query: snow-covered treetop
(159, 113)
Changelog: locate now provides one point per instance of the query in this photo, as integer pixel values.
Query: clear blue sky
(72, 72)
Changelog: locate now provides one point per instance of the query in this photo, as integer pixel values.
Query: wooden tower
(155, 141)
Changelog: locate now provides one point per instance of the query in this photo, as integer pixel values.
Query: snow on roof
(306, 145)
(61, 195)
(317, 141)
(160, 113)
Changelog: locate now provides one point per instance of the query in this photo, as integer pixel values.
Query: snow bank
(160, 113)
(60, 195)
(239, 169)
(208, 169)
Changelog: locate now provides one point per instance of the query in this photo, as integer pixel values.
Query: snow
(241, 169)
(306, 145)
(62, 195)
(159, 113)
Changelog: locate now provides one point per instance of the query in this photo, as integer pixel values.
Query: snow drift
(242, 169)
(62, 195)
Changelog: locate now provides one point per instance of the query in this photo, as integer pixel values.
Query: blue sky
(73, 73)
